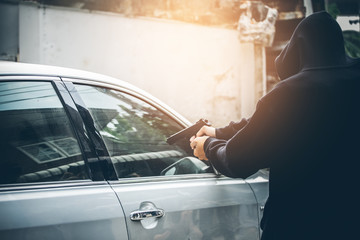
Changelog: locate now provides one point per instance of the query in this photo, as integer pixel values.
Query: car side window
(37, 143)
(135, 135)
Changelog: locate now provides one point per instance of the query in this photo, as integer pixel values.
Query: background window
(135, 134)
(36, 139)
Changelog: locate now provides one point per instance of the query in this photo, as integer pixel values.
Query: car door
(164, 191)
(47, 167)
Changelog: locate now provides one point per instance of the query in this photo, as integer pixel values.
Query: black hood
(317, 42)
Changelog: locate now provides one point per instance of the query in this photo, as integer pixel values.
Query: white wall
(345, 24)
(199, 71)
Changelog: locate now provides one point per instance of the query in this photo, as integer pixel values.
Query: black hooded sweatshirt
(307, 131)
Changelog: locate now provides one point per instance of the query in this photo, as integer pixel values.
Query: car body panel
(195, 208)
(67, 211)
(259, 183)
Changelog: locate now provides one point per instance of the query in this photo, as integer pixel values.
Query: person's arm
(266, 138)
(241, 155)
(230, 130)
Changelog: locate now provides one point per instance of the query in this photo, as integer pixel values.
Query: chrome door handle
(143, 214)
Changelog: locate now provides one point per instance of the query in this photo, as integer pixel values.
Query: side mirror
(187, 165)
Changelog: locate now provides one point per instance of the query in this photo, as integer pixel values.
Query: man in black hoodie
(306, 130)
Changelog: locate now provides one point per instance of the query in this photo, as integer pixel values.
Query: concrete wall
(9, 34)
(199, 71)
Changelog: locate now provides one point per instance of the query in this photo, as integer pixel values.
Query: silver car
(84, 156)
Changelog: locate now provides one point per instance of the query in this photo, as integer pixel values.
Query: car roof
(16, 68)
(8, 68)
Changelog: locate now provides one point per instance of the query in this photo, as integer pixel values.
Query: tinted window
(135, 134)
(36, 139)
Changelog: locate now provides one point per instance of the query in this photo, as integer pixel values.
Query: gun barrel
(187, 132)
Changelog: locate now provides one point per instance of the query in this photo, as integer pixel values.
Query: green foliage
(352, 43)
(333, 10)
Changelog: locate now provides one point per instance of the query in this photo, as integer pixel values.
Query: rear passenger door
(47, 165)
(165, 192)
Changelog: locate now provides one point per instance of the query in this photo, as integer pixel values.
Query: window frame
(66, 103)
(154, 104)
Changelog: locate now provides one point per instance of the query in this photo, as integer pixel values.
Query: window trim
(171, 178)
(90, 157)
(101, 167)
(20, 78)
(49, 185)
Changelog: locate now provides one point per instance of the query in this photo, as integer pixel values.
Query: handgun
(188, 132)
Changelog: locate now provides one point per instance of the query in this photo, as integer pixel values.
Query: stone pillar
(256, 30)
(260, 71)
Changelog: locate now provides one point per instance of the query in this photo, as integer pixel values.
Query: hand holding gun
(187, 133)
